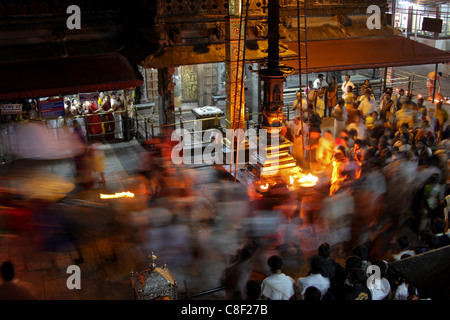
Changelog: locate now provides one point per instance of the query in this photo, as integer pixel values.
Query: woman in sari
(94, 121)
(108, 119)
(332, 95)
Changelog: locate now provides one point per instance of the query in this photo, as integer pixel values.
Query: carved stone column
(166, 102)
(235, 100)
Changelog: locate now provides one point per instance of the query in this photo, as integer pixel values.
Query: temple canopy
(67, 75)
(364, 53)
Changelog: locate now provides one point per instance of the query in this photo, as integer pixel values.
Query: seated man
(439, 239)
(368, 104)
(404, 244)
(315, 278)
(277, 286)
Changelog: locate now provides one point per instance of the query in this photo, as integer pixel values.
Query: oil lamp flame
(126, 194)
(264, 187)
(304, 180)
(308, 180)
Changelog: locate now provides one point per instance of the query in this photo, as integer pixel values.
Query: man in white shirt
(381, 289)
(277, 286)
(315, 278)
(368, 104)
(347, 83)
(320, 82)
(404, 244)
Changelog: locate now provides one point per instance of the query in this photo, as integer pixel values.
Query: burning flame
(308, 181)
(264, 187)
(304, 181)
(126, 194)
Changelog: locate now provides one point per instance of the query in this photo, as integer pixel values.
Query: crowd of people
(104, 116)
(387, 168)
(330, 280)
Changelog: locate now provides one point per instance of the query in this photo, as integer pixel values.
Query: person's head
(7, 271)
(320, 76)
(341, 102)
(356, 276)
(328, 135)
(275, 263)
(382, 265)
(317, 265)
(312, 294)
(324, 250)
(333, 79)
(374, 115)
(401, 92)
(438, 225)
(353, 132)
(425, 235)
(349, 89)
(310, 107)
(403, 242)
(340, 149)
(404, 127)
(253, 290)
(408, 98)
(297, 120)
(310, 84)
(359, 143)
(439, 105)
(353, 262)
(361, 251)
(347, 77)
(367, 93)
(367, 82)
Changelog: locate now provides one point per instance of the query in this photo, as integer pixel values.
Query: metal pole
(242, 93)
(385, 79)
(86, 124)
(409, 85)
(300, 78)
(237, 73)
(307, 78)
(145, 127)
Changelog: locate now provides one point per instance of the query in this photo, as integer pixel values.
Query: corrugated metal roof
(365, 53)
